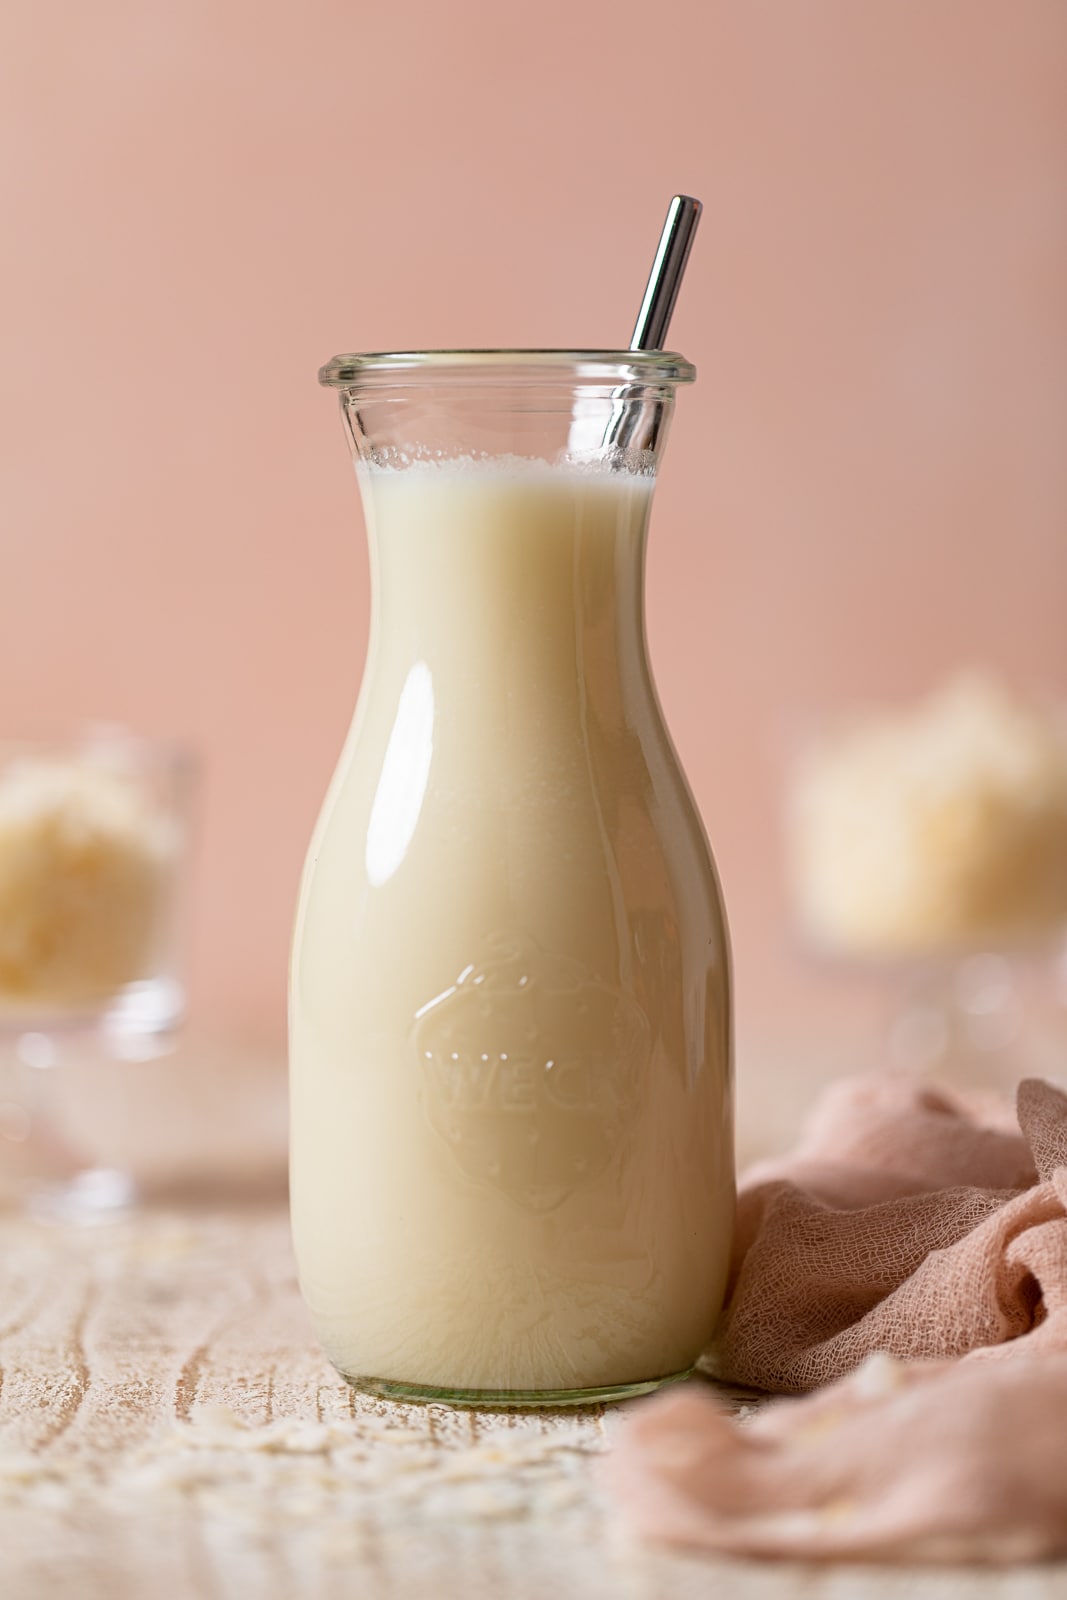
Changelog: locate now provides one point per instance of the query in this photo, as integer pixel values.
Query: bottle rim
(403, 367)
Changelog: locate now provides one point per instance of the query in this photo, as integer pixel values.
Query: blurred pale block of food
(86, 868)
(936, 827)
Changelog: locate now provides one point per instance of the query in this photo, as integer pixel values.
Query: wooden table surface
(169, 1429)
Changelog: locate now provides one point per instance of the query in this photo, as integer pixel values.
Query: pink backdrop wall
(204, 200)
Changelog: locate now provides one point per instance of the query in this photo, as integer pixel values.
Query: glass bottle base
(514, 1399)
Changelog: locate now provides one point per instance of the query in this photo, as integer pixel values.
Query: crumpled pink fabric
(904, 1223)
(909, 1227)
(930, 1461)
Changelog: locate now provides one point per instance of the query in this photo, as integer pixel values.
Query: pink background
(868, 485)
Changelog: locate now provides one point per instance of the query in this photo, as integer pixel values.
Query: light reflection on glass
(405, 774)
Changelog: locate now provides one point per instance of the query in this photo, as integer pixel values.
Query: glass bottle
(512, 1150)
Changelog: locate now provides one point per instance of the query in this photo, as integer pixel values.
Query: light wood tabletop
(169, 1428)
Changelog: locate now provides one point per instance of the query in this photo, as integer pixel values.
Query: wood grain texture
(169, 1428)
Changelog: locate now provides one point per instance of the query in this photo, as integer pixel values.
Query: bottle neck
(524, 559)
(519, 588)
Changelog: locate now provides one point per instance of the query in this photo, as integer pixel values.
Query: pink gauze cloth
(907, 1228)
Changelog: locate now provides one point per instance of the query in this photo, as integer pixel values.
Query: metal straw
(675, 242)
(631, 426)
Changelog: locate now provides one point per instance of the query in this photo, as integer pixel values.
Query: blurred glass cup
(930, 840)
(93, 845)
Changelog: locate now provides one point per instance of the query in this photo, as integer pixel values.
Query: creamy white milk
(511, 1103)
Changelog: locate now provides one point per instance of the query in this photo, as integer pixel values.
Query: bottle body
(512, 1165)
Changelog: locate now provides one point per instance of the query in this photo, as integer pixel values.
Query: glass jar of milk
(512, 1150)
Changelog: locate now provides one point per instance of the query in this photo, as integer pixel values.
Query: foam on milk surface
(528, 470)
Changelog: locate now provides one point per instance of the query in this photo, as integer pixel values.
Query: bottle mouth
(492, 367)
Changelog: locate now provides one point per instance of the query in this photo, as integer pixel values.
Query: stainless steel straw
(675, 243)
(630, 427)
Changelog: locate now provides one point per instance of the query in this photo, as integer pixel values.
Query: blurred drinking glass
(931, 840)
(93, 840)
